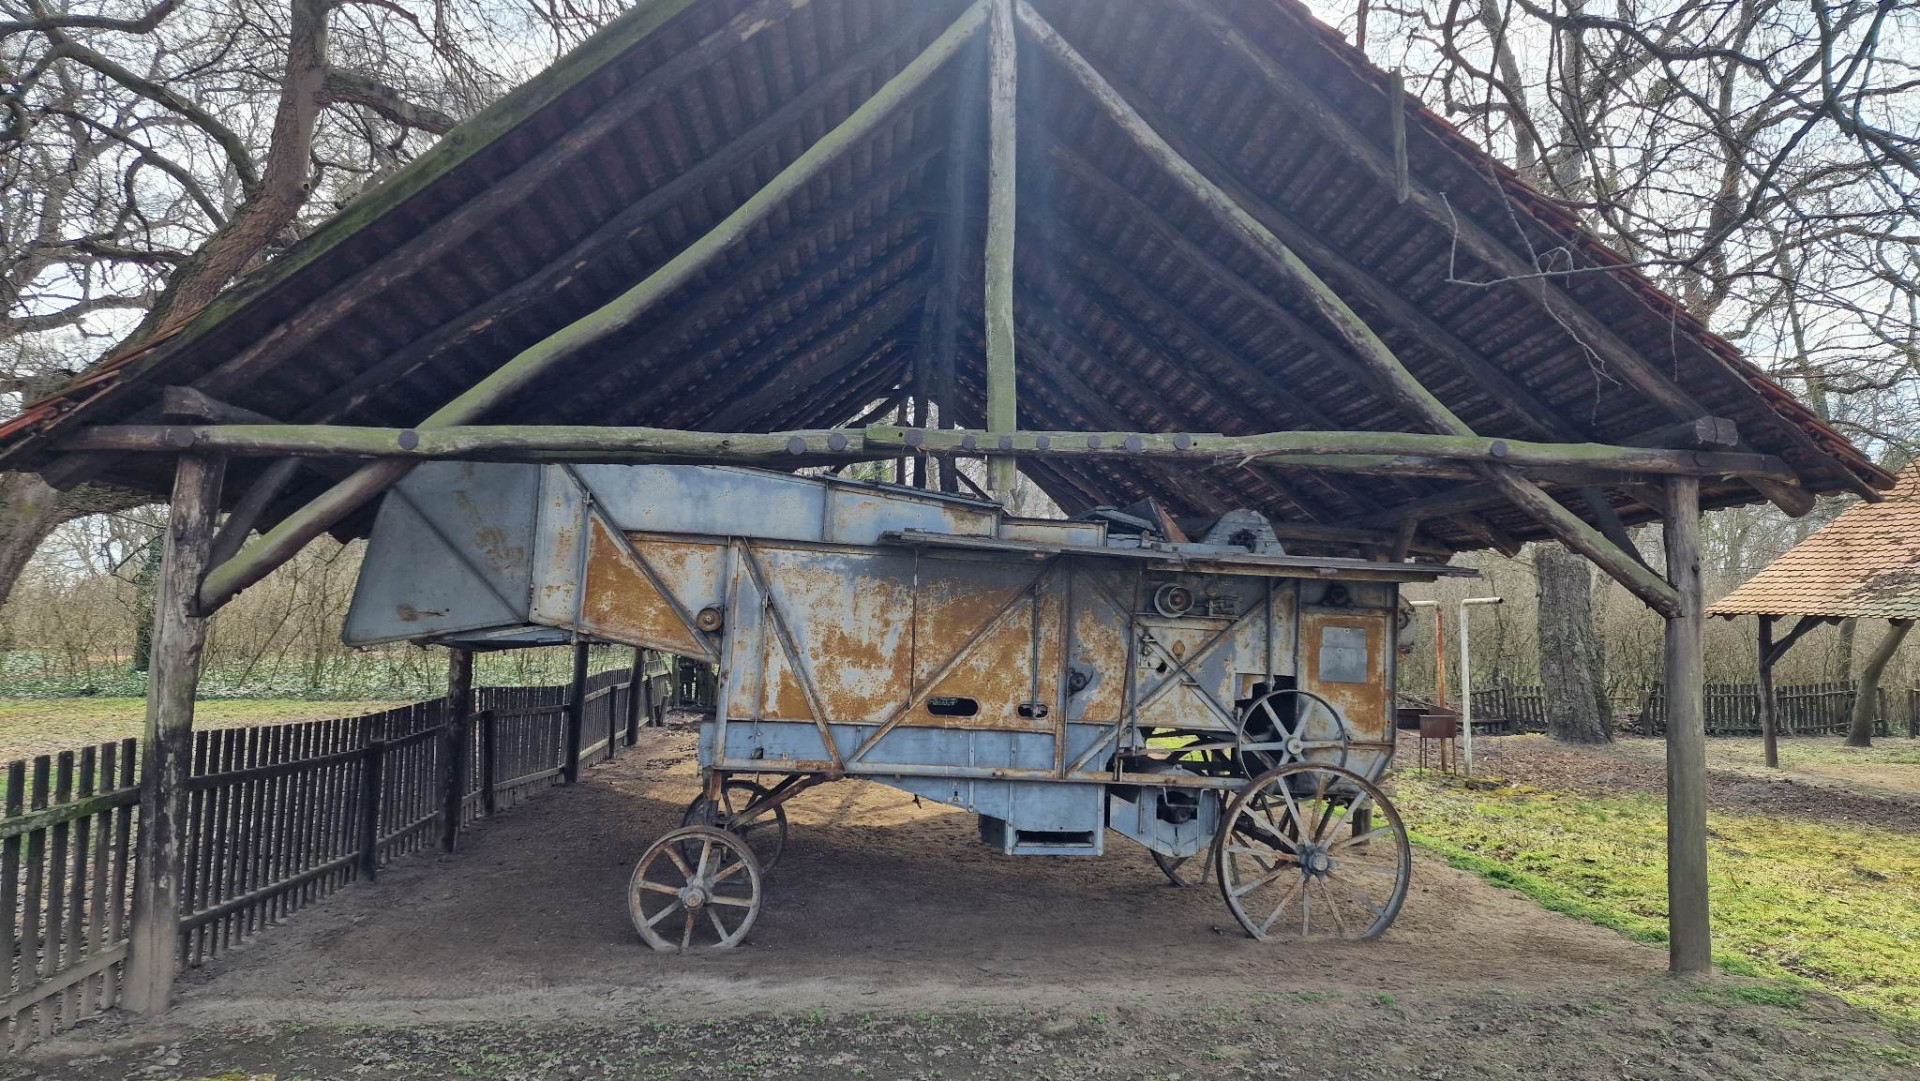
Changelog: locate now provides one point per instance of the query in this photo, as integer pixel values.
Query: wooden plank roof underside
(1133, 308)
(1864, 564)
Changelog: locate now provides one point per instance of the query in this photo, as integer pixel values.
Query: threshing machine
(1223, 703)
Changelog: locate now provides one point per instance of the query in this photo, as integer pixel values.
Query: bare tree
(153, 150)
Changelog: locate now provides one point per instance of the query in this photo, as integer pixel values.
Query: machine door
(1346, 658)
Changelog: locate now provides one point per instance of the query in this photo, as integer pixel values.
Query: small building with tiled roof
(1863, 565)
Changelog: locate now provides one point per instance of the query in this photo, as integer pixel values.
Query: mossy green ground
(1834, 905)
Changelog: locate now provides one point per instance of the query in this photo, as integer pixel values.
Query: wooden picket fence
(1805, 709)
(278, 816)
(1732, 709)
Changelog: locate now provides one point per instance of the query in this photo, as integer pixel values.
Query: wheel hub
(694, 897)
(1315, 860)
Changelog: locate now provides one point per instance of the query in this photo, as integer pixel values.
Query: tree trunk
(1570, 659)
(1861, 733)
(1843, 656)
(30, 509)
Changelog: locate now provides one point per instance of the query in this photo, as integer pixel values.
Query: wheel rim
(1291, 863)
(766, 834)
(1181, 869)
(707, 900)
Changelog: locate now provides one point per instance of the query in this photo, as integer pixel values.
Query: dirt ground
(892, 944)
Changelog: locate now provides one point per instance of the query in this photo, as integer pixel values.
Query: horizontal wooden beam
(1344, 451)
(1360, 452)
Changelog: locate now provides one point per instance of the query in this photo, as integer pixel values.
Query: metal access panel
(495, 555)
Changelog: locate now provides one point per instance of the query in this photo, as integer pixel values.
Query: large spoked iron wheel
(696, 887)
(765, 833)
(1311, 851)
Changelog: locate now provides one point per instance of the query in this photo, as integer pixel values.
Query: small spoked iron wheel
(766, 833)
(696, 887)
(1312, 851)
(1182, 870)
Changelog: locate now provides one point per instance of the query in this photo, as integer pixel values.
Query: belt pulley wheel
(1312, 851)
(1293, 725)
(696, 887)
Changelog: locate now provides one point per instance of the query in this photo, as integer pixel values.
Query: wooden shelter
(1865, 564)
(1197, 250)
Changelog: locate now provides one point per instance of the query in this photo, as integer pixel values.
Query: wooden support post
(489, 771)
(1763, 691)
(1690, 937)
(1003, 414)
(639, 697)
(179, 633)
(372, 764)
(576, 713)
(454, 739)
(292, 533)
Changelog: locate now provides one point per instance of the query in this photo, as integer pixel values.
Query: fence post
(489, 732)
(639, 697)
(576, 714)
(373, 756)
(455, 737)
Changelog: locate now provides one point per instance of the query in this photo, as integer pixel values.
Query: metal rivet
(796, 445)
(1135, 444)
(836, 441)
(1042, 442)
(915, 437)
(1093, 442)
(1497, 449)
(968, 442)
(1006, 442)
(1183, 441)
(181, 437)
(409, 439)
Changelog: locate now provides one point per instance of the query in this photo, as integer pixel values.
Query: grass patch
(1836, 906)
(30, 726)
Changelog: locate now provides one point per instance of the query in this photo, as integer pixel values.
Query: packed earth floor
(892, 944)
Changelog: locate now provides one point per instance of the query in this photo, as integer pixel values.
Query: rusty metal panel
(1329, 639)
(1101, 605)
(849, 615)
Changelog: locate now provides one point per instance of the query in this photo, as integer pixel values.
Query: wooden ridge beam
(293, 532)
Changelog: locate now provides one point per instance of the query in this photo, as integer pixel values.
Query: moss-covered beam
(293, 532)
(1337, 451)
(1387, 372)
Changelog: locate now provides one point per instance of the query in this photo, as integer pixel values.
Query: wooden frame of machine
(1219, 701)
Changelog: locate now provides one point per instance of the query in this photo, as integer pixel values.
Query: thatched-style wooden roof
(1135, 310)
